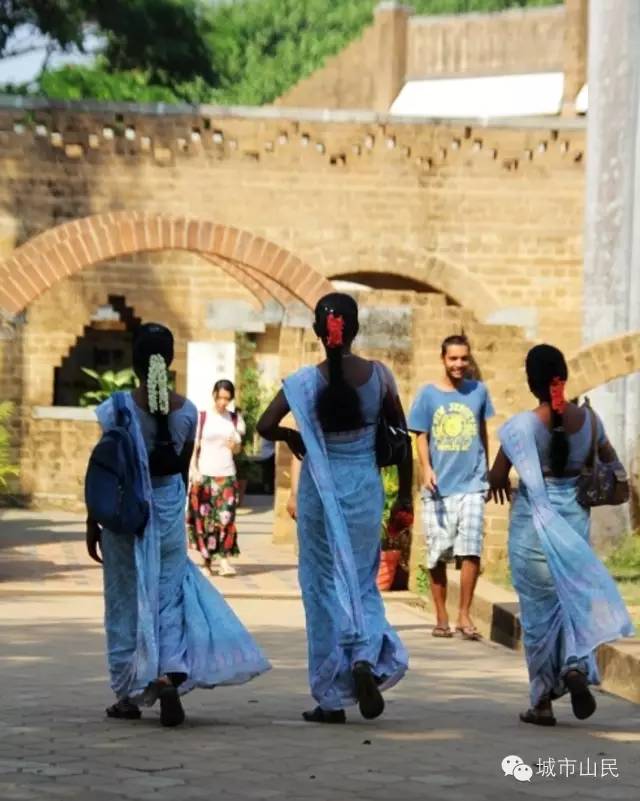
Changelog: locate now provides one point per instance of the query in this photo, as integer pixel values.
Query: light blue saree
(569, 604)
(340, 502)
(161, 614)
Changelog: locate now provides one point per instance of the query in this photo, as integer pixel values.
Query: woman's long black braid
(544, 364)
(155, 339)
(339, 407)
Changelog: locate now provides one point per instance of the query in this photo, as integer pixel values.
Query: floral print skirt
(211, 515)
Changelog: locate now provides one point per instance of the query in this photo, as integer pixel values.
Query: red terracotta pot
(389, 561)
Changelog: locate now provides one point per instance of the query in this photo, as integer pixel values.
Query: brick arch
(603, 362)
(66, 249)
(440, 275)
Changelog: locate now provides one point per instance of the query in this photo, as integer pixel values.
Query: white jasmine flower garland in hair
(158, 385)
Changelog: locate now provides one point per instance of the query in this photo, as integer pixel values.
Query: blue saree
(569, 604)
(340, 503)
(161, 614)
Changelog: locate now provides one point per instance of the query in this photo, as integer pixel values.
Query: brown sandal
(441, 631)
(469, 632)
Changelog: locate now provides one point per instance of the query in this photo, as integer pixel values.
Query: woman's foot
(226, 569)
(171, 711)
(539, 715)
(582, 701)
(319, 715)
(124, 709)
(369, 697)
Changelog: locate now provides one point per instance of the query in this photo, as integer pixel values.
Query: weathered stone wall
(491, 216)
(517, 40)
(54, 460)
(171, 287)
(347, 80)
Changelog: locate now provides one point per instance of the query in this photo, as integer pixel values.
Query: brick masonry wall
(346, 80)
(517, 40)
(490, 216)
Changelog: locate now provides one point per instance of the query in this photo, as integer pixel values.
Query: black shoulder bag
(601, 483)
(393, 444)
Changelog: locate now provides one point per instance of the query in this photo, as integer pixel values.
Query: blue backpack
(113, 485)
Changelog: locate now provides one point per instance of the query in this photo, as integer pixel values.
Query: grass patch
(422, 580)
(624, 564)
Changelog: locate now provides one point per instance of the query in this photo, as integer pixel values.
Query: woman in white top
(213, 495)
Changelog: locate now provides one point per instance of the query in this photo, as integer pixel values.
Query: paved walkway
(44, 553)
(447, 728)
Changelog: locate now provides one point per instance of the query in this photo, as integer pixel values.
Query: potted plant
(108, 383)
(396, 532)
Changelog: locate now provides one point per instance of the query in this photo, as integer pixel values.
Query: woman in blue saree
(569, 604)
(353, 652)
(168, 629)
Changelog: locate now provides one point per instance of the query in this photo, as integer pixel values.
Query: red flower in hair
(556, 391)
(335, 330)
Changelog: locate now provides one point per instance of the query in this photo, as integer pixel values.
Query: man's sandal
(468, 632)
(441, 631)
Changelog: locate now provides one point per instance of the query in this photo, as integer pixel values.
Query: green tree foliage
(166, 40)
(61, 20)
(79, 82)
(246, 52)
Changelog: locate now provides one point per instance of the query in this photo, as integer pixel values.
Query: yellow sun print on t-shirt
(454, 427)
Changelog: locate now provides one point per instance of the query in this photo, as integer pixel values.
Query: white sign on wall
(208, 362)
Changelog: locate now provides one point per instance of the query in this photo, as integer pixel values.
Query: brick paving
(447, 727)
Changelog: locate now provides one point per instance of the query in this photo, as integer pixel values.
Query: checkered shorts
(454, 526)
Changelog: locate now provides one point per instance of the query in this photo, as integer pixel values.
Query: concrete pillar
(575, 51)
(392, 23)
(612, 224)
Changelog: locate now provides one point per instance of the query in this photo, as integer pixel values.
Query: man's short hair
(454, 339)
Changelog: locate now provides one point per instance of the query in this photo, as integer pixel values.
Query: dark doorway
(106, 344)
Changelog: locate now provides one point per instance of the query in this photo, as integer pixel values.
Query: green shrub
(6, 468)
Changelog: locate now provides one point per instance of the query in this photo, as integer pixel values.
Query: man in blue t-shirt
(449, 418)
